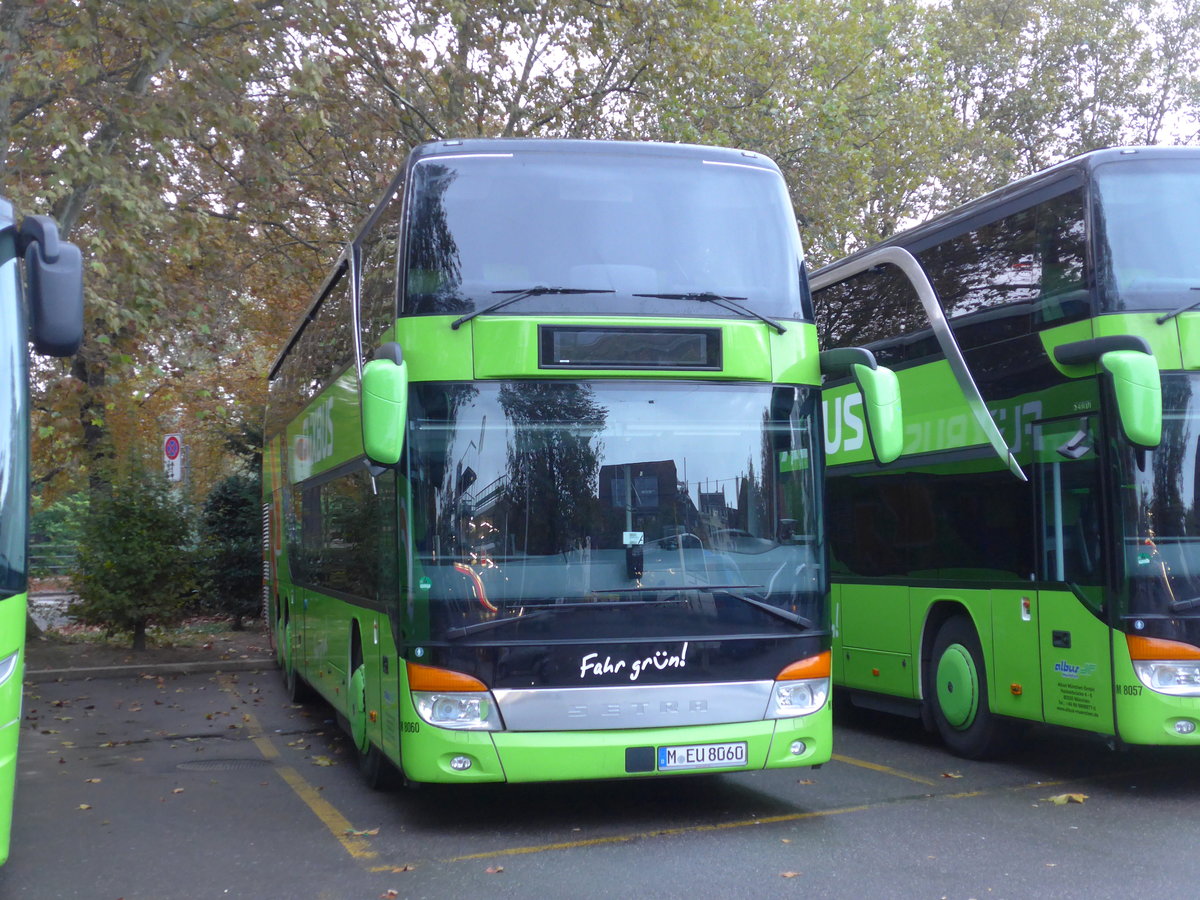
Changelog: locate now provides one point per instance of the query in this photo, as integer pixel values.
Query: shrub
(133, 565)
(231, 549)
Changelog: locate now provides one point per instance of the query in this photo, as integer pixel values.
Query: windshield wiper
(453, 634)
(731, 303)
(1166, 316)
(732, 590)
(521, 294)
(1183, 605)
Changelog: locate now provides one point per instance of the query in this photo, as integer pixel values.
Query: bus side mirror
(384, 405)
(880, 390)
(1133, 372)
(881, 402)
(1138, 390)
(54, 271)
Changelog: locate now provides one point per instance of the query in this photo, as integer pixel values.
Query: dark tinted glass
(573, 506)
(14, 422)
(378, 291)
(1150, 230)
(626, 224)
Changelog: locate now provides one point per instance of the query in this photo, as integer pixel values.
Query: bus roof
(1079, 166)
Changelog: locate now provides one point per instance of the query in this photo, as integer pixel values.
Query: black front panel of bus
(629, 663)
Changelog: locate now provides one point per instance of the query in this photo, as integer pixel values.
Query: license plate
(702, 756)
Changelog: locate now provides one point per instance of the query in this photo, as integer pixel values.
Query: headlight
(1170, 676)
(797, 698)
(8, 665)
(460, 711)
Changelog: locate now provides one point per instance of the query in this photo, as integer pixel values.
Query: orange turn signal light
(430, 678)
(1157, 648)
(813, 667)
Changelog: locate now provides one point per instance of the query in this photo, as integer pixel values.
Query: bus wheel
(378, 771)
(296, 687)
(956, 688)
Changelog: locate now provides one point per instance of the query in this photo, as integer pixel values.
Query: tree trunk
(139, 635)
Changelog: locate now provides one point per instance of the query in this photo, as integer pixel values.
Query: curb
(179, 668)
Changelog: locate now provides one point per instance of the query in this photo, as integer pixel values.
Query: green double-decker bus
(42, 305)
(543, 492)
(1057, 581)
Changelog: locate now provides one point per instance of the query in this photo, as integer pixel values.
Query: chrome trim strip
(634, 706)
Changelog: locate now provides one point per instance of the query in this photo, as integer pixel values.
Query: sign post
(173, 457)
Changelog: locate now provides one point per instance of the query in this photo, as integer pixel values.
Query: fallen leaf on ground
(788, 874)
(388, 894)
(93, 781)
(1064, 799)
(951, 775)
(322, 761)
(85, 806)
(494, 870)
(352, 832)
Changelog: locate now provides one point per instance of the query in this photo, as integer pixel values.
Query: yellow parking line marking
(660, 832)
(887, 770)
(338, 825)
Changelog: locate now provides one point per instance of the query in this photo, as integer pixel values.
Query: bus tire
(294, 684)
(956, 691)
(379, 773)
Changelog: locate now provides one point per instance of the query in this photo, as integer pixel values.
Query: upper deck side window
(997, 280)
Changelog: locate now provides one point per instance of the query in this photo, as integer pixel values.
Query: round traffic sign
(171, 447)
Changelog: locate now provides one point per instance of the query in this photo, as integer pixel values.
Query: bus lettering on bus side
(849, 433)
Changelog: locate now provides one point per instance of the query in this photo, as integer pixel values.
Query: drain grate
(221, 765)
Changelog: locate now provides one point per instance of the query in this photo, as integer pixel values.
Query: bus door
(1076, 662)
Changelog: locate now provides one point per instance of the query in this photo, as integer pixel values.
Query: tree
(132, 566)
(231, 548)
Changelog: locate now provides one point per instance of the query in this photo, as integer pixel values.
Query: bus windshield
(1162, 510)
(13, 424)
(592, 230)
(1150, 232)
(558, 510)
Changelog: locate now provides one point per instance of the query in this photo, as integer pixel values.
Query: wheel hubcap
(957, 686)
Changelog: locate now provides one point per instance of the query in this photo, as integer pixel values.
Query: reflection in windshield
(621, 223)
(1162, 509)
(13, 438)
(665, 504)
(1148, 256)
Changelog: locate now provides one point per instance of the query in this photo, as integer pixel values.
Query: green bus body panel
(1189, 339)
(12, 639)
(1014, 679)
(495, 347)
(1145, 716)
(1076, 681)
(871, 650)
(329, 431)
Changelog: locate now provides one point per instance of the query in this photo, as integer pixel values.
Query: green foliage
(231, 549)
(210, 156)
(133, 564)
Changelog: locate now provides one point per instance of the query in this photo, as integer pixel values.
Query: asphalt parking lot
(214, 785)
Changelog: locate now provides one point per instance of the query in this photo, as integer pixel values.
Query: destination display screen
(572, 347)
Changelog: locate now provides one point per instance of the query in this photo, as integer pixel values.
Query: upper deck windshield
(1149, 234)
(1161, 511)
(14, 388)
(565, 510)
(608, 226)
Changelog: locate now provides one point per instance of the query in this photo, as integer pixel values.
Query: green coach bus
(1069, 594)
(543, 493)
(42, 305)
